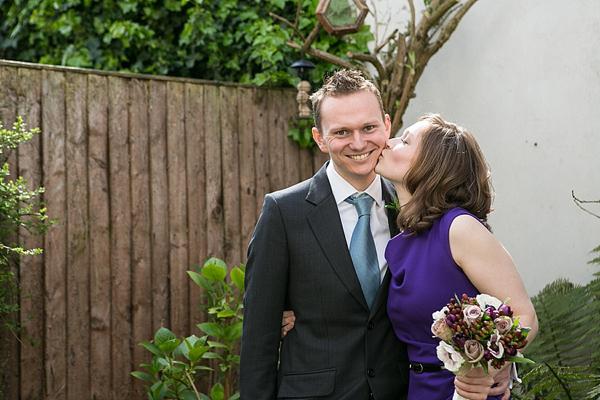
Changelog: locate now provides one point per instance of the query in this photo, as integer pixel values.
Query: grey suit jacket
(298, 259)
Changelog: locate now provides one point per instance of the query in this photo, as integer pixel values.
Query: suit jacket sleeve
(265, 293)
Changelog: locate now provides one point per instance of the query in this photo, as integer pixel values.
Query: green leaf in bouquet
(212, 329)
(236, 396)
(520, 360)
(163, 335)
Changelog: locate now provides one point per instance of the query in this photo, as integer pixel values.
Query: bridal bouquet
(478, 331)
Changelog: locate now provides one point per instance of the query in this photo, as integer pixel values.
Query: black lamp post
(303, 66)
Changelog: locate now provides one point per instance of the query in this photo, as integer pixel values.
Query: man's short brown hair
(341, 83)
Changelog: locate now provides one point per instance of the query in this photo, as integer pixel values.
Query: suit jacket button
(371, 373)
(370, 325)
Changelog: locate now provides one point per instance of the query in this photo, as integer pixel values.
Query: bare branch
(288, 23)
(396, 73)
(386, 41)
(311, 37)
(412, 18)
(383, 76)
(406, 92)
(449, 28)
(580, 202)
(330, 58)
(429, 20)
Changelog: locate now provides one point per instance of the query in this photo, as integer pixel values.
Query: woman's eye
(403, 140)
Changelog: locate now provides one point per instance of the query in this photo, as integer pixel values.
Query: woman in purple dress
(445, 247)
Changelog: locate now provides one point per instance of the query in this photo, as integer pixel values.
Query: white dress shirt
(380, 228)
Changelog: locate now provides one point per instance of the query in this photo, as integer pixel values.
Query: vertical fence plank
(247, 128)
(99, 220)
(53, 142)
(120, 229)
(140, 216)
(31, 268)
(291, 149)
(9, 360)
(196, 199)
(78, 355)
(177, 208)
(276, 141)
(230, 132)
(159, 203)
(261, 146)
(214, 183)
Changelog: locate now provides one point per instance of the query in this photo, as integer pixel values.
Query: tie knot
(362, 204)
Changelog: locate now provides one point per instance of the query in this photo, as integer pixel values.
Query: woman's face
(398, 156)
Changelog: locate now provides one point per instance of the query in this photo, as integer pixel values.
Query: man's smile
(360, 156)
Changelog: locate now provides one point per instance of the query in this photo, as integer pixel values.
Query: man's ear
(318, 138)
(388, 125)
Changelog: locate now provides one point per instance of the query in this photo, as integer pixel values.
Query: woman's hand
(287, 322)
(475, 385)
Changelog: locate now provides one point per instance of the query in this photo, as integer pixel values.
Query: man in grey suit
(342, 345)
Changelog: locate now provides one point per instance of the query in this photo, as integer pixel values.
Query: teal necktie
(362, 249)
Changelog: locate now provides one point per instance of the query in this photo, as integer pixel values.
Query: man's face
(353, 134)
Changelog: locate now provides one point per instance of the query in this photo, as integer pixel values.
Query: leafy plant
(171, 378)
(224, 303)
(18, 209)
(225, 40)
(567, 347)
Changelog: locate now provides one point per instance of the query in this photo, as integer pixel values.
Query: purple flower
(491, 312)
(505, 309)
(473, 351)
(459, 339)
(503, 324)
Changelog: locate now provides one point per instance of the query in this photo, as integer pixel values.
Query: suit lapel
(327, 228)
(388, 194)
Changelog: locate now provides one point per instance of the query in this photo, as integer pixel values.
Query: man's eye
(341, 133)
(369, 128)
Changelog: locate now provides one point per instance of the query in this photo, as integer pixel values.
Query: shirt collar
(341, 188)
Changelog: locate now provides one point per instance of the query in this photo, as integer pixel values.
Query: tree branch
(330, 58)
(449, 29)
(311, 37)
(288, 23)
(397, 122)
(580, 202)
(386, 41)
(383, 76)
(412, 18)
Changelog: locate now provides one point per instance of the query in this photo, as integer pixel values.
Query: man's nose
(358, 141)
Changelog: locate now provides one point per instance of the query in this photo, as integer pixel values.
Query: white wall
(524, 78)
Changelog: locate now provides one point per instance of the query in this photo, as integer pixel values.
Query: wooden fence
(147, 177)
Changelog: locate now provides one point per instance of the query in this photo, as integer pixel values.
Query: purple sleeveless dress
(424, 279)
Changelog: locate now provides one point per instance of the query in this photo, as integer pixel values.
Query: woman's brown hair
(449, 171)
